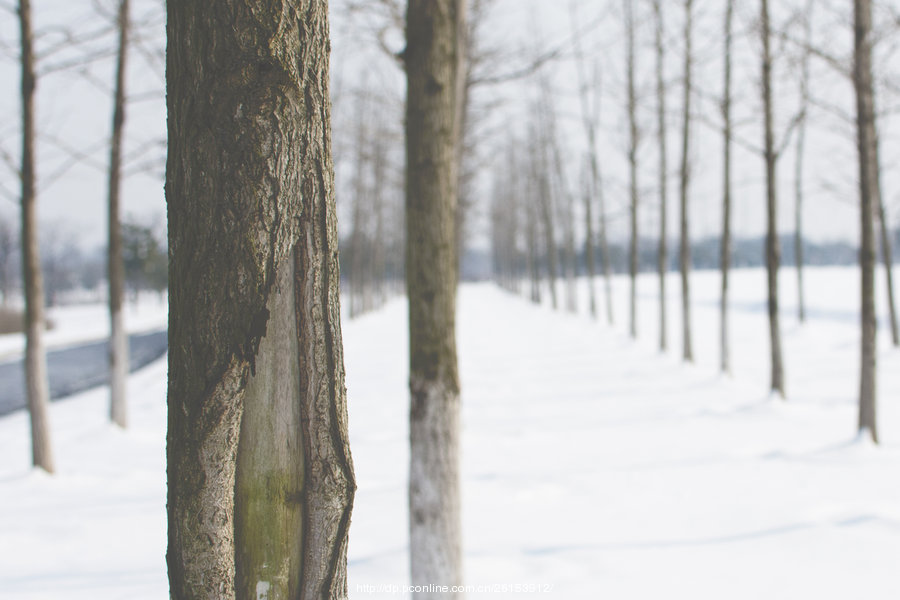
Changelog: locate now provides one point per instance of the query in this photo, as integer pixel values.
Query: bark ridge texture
(253, 257)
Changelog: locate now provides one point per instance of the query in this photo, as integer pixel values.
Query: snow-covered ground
(593, 465)
(78, 323)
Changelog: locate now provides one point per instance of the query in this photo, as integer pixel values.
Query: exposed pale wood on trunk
(253, 258)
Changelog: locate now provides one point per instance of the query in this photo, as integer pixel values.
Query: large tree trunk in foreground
(254, 312)
(868, 183)
(36, 385)
(432, 65)
(773, 247)
(118, 339)
(724, 344)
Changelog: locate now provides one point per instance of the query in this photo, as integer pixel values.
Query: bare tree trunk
(36, 384)
(868, 184)
(798, 172)
(604, 245)
(7, 246)
(379, 168)
(589, 95)
(632, 167)
(565, 207)
(545, 201)
(253, 293)
(773, 249)
(570, 259)
(118, 339)
(887, 252)
(590, 260)
(685, 258)
(432, 58)
(724, 345)
(357, 234)
(662, 254)
(532, 251)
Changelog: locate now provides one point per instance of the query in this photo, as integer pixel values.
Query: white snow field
(593, 466)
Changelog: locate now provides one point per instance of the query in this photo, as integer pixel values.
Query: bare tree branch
(76, 155)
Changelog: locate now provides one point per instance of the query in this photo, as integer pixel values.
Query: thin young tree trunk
(7, 244)
(254, 312)
(773, 247)
(724, 346)
(604, 245)
(589, 120)
(432, 59)
(118, 341)
(662, 253)
(632, 168)
(570, 256)
(36, 383)
(357, 235)
(566, 210)
(799, 156)
(887, 252)
(379, 168)
(589, 256)
(548, 224)
(685, 258)
(868, 178)
(532, 252)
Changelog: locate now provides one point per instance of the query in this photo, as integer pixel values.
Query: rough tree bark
(259, 508)
(662, 252)
(685, 257)
(432, 59)
(118, 339)
(724, 345)
(36, 384)
(773, 247)
(632, 166)
(868, 183)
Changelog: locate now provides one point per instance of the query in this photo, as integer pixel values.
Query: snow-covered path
(593, 466)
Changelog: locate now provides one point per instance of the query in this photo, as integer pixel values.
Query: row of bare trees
(518, 214)
(73, 52)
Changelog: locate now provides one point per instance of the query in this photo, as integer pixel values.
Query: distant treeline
(705, 254)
